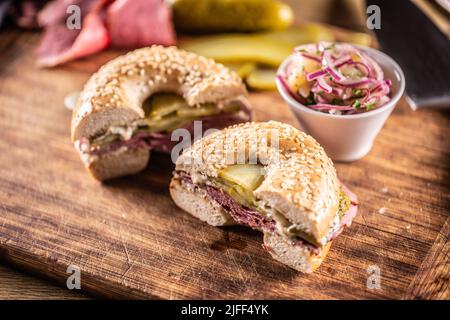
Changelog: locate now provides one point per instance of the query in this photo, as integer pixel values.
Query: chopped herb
(331, 47)
(356, 104)
(357, 93)
(370, 106)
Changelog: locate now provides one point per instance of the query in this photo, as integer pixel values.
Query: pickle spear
(231, 15)
(303, 34)
(262, 79)
(243, 69)
(239, 48)
(267, 48)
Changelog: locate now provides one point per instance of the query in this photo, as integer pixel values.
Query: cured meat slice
(140, 23)
(61, 44)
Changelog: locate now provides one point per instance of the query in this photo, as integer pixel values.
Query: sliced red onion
(338, 91)
(336, 75)
(381, 89)
(321, 99)
(327, 59)
(324, 85)
(365, 67)
(311, 57)
(379, 74)
(329, 83)
(342, 61)
(315, 75)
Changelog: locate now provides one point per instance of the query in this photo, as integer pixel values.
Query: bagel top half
(114, 95)
(300, 181)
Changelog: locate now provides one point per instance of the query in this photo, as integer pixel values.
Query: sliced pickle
(105, 139)
(243, 69)
(163, 104)
(164, 124)
(238, 48)
(247, 176)
(203, 110)
(267, 48)
(242, 196)
(262, 79)
(303, 34)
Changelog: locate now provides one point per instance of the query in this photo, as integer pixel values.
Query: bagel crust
(300, 180)
(114, 95)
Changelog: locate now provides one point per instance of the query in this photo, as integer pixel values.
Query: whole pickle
(231, 15)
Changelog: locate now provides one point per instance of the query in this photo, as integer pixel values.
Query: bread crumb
(384, 190)
(70, 100)
(382, 210)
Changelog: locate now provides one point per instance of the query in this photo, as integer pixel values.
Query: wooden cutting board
(131, 241)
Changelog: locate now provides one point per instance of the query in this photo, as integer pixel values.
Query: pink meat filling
(162, 142)
(253, 218)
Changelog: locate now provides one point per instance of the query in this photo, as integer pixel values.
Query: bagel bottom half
(118, 164)
(196, 202)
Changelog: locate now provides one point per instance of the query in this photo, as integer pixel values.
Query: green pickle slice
(239, 181)
(162, 104)
(165, 112)
(247, 176)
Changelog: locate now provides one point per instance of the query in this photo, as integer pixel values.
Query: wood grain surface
(131, 241)
(17, 284)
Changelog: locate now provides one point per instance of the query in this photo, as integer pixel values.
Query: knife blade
(420, 48)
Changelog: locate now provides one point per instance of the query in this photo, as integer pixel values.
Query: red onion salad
(335, 78)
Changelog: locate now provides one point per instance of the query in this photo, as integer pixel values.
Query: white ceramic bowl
(348, 137)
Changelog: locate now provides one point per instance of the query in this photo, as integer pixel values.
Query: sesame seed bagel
(300, 180)
(113, 96)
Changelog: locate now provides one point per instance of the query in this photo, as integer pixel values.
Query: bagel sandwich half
(270, 177)
(134, 102)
